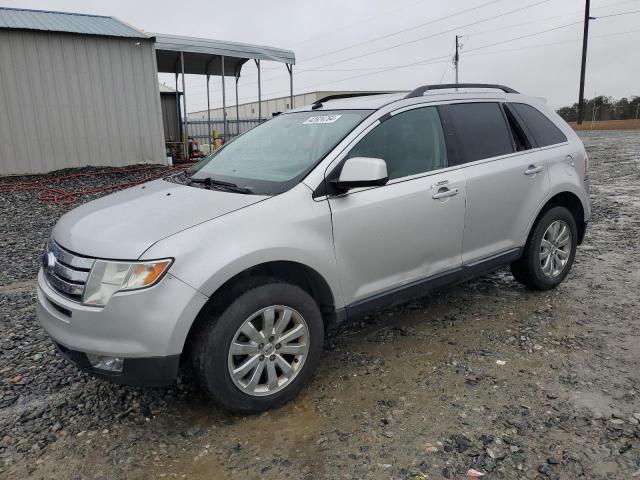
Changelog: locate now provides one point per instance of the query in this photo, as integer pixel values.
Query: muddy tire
(262, 349)
(549, 252)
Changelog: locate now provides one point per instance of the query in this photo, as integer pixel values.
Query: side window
(520, 137)
(410, 142)
(542, 129)
(481, 129)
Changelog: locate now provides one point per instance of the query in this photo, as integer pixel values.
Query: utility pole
(456, 58)
(585, 38)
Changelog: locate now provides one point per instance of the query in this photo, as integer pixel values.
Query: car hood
(125, 224)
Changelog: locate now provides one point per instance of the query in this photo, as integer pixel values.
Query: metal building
(76, 90)
(250, 110)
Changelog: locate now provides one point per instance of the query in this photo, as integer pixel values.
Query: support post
(178, 117)
(237, 106)
(585, 39)
(290, 70)
(224, 105)
(259, 92)
(184, 110)
(209, 132)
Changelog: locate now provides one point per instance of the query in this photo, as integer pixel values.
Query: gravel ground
(486, 375)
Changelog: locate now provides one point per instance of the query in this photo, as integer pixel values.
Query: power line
(554, 17)
(319, 67)
(617, 14)
(424, 24)
(551, 44)
(391, 47)
(404, 30)
(382, 37)
(360, 22)
(525, 36)
(441, 58)
(447, 58)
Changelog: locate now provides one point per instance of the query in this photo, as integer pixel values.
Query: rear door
(506, 178)
(411, 228)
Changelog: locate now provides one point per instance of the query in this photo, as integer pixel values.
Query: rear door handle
(445, 192)
(533, 169)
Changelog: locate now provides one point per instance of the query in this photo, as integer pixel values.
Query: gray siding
(170, 117)
(71, 100)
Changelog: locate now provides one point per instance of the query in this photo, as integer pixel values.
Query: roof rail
(318, 103)
(420, 91)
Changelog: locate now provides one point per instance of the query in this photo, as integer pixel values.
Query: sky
(533, 46)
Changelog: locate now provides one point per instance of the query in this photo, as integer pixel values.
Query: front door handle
(445, 192)
(533, 169)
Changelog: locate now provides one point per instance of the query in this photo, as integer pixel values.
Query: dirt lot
(633, 124)
(487, 375)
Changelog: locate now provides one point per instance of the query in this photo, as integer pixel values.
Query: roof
(202, 55)
(48, 21)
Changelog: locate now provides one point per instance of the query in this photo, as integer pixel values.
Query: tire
(213, 363)
(529, 269)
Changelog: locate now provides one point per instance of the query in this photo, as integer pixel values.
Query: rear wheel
(549, 252)
(262, 349)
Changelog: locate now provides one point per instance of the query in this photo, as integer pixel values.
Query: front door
(409, 229)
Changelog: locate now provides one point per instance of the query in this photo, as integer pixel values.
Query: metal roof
(202, 54)
(48, 21)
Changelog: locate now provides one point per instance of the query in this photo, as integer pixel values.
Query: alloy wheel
(268, 350)
(555, 248)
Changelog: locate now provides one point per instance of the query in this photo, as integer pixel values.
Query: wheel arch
(571, 202)
(295, 273)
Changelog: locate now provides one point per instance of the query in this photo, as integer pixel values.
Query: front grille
(66, 272)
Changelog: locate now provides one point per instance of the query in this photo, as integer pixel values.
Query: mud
(486, 375)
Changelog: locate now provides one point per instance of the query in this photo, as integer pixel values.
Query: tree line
(603, 108)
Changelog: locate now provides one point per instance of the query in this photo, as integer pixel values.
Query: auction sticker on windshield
(321, 119)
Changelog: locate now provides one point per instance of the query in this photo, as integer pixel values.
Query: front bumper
(143, 326)
(139, 372)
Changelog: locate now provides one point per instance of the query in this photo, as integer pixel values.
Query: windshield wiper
(219, 184)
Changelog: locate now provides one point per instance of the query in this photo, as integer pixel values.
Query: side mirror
(361, 172)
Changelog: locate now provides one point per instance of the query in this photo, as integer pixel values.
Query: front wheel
(549, 252)
(262, 349)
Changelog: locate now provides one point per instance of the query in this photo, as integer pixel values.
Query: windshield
(276, 155)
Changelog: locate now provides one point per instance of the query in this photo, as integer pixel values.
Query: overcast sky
(323, 35)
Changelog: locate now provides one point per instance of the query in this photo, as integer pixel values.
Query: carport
(188, 55)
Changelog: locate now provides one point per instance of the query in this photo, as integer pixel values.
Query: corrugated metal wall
(170, 117)
(71, 100)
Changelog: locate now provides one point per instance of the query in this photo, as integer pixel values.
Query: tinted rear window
(542, 129)
(481, 130)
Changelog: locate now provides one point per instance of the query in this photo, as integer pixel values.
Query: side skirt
(426, 285)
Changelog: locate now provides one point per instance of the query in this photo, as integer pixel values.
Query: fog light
(102, 362)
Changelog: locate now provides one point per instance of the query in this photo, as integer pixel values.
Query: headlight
(107, 278)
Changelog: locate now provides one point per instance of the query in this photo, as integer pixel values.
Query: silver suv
(238, 266)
